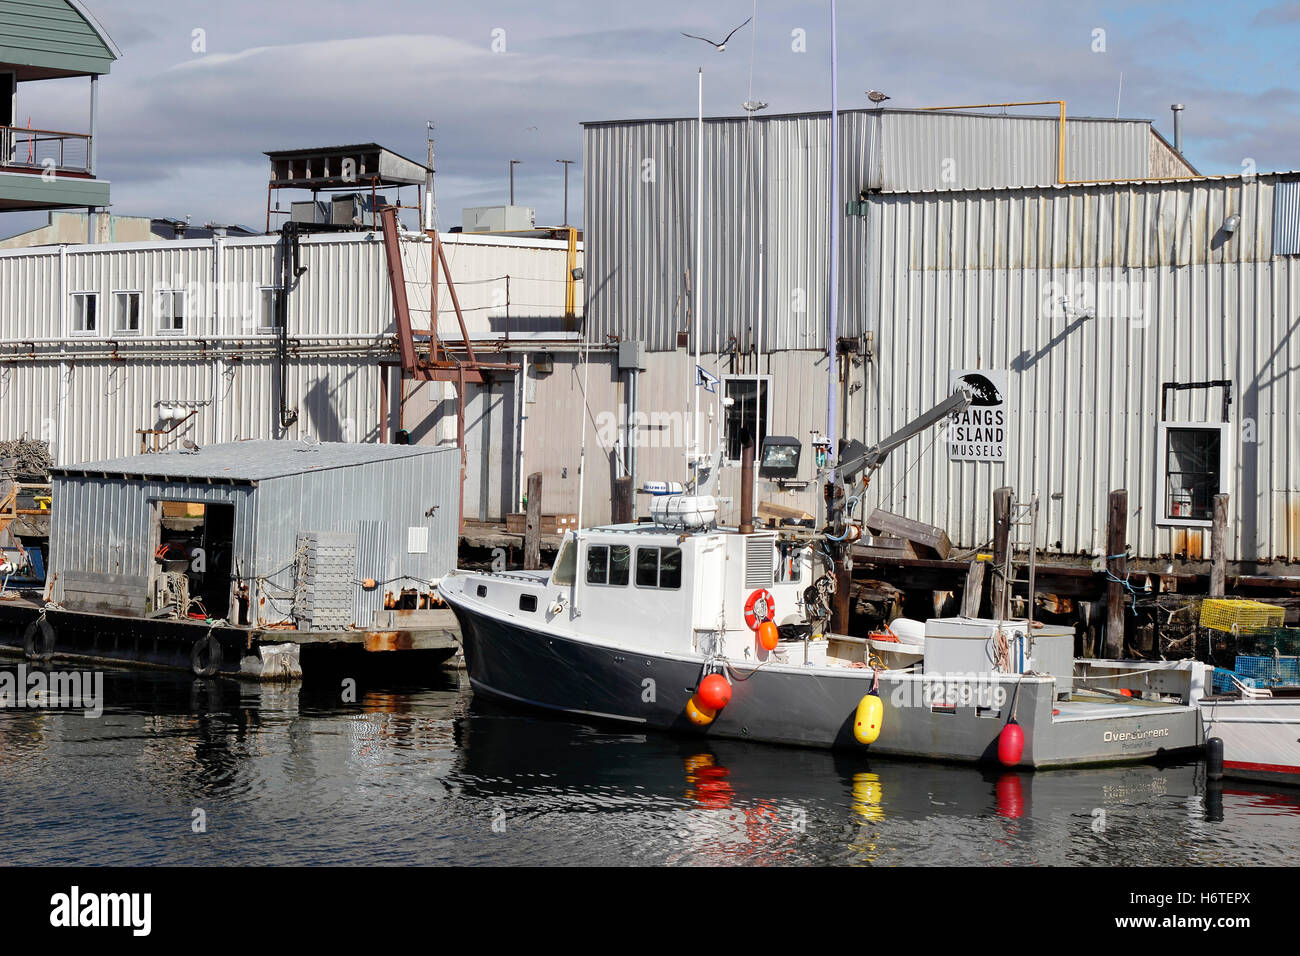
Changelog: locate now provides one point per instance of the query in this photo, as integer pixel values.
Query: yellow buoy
(866, 722)
(698, 714)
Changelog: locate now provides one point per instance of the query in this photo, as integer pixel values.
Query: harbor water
(183, 771)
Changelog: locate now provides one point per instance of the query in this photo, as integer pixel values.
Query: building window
(608, 565)
(126, 312)
(85, 313)
(169, 309)
(268, 319)
(749, 410)
(1194, 469)
(659, 568)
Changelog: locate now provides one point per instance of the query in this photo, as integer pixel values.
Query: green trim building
(42, 168)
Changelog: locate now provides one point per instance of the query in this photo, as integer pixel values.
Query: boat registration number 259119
(963, 692)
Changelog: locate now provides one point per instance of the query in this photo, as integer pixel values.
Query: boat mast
(697, 284)
(832, 389)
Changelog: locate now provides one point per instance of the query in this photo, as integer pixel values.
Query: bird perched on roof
(876, 96)
(723, 45)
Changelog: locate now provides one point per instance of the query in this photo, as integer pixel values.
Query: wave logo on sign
(980, 432)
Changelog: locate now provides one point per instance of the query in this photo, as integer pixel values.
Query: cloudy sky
(203, 88)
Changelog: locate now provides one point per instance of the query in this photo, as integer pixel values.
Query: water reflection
(390, 772)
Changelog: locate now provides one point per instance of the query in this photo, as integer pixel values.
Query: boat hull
(802, 707)
(1261, 738)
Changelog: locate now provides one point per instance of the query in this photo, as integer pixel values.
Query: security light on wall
(1231, 223)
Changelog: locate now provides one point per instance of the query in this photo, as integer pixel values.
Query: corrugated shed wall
(767, 193)
(396, 493)
(102, 525)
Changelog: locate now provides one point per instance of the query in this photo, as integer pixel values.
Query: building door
(491, 459)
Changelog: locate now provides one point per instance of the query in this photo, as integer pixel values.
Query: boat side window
(659, 567)
(620, 561)
(566, 564)
(608, 565)
(597, 564)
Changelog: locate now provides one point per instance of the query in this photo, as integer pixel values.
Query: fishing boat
(683, 626)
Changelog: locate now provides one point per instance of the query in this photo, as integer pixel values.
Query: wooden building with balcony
(43, 168)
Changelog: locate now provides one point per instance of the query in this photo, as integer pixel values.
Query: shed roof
(244, 461)
(52, 38)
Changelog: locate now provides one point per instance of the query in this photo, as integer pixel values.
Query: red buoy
(1011, 744)
(714, 692)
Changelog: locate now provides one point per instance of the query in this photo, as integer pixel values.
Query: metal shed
(275, 531)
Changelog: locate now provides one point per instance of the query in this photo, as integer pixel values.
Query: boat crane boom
(856, 457)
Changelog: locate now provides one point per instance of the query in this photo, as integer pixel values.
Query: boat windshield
(566, 563)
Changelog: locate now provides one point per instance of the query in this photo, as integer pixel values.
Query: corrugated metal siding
(102, 525)
(767, 187)
(29, 295)
(89, 394)
(962, 285)
(954, 281)
(396, 493)
(1286, 219)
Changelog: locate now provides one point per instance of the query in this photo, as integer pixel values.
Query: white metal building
(1140, 329)
(100, 342)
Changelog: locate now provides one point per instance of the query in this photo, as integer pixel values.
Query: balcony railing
(38, 150)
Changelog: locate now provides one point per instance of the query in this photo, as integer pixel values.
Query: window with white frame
(128, 308)
(268, 319)
(748, 409)
(84, 314)
(169, 310)
(1194, 467)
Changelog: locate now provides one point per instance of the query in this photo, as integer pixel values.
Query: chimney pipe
(1178, 127)
(747, 486)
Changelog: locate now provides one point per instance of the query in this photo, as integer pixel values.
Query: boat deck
(1107, 708)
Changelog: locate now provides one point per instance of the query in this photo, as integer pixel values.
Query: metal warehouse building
(1139, 329)
(105, 349)
(288, 530)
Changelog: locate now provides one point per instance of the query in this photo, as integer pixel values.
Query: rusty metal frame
(441, 364)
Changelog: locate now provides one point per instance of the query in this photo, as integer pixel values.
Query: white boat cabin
(655, 589)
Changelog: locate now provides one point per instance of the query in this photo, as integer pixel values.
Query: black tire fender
(38, 640)
(205, 656)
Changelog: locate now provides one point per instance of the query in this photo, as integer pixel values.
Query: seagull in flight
(876, 96)
(723, 45)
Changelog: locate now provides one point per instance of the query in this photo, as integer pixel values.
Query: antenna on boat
(832, 398)
(697, 284)
(582, 444)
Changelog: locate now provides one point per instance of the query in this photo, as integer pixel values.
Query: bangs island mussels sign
(980, 433)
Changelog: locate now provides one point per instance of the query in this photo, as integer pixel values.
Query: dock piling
(1117, 565)
(533, 524)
